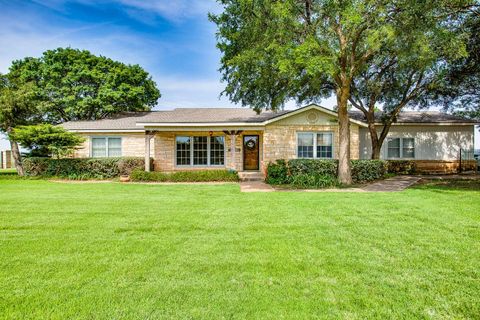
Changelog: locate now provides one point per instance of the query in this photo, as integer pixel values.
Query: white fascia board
(106, 130)
(203, 129)
(203, 124)
(430, 124)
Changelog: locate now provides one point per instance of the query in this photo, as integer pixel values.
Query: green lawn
(131, 251)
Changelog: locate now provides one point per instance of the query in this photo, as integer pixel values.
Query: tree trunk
(344, 170)
(17, 157)
(376, 145)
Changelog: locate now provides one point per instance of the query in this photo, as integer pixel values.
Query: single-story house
(241, 139)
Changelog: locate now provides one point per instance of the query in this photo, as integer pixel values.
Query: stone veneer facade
(133, 145)
(280, 141)
(277, 140)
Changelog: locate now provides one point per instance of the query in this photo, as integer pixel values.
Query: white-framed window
(400, 148)
(106, 147)
(315, 145)
(200, 150)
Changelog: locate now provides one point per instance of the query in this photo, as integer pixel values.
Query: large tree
(459, 90)
(408, 70)
(306, 50)
(77, 85)
(275, 51)
(18, 106)
(70, 84)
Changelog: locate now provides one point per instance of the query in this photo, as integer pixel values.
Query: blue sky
(173, 40)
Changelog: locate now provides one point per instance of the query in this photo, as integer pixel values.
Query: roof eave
(430, 123)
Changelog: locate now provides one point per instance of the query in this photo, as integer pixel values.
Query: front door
(251, 152)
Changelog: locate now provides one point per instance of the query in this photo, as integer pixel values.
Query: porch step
(250, 176)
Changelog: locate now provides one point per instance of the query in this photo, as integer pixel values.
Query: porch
(213, 148)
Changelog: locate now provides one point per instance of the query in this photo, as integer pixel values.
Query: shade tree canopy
(68, 84)
(78, 85)
(409, 69)
(306, 50)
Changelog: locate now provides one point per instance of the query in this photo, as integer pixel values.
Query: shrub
(401, 166)
(81, 169)
(277, 173)
(141, 175)
(313, 181)
(185, 176)
(312, 166)
(313, 173)
(368, 170)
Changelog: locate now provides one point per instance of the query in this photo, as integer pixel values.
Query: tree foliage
(45, 140)
(306, 50)
(460, 89)
(65, 85)
(275, 51)
(410, 68)
(77, 85)
(18, 106)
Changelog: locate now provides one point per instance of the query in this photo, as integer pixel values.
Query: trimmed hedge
(185, 176)
(401, 166)
(84, 168)
(311, 173)
(368, 170)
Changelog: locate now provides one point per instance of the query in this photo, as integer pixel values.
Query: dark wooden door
(251, 152)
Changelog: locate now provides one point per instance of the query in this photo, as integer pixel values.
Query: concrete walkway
(394, 184)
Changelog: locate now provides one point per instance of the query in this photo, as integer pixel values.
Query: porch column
(232, 151)
(147, 151)
(233, 134)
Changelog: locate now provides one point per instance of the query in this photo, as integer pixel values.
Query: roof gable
(311, 114)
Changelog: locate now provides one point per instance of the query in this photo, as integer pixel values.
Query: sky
(171, 39)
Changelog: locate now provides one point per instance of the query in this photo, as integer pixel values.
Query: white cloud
(173, 9)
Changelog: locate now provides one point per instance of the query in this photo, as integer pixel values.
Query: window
(217, 151)
(305, 145)
(200, 151)
(400, 148)
(106, 147)
(394, 148)
(183, 151)
(408, 148)
(324, 145)
(315, 145)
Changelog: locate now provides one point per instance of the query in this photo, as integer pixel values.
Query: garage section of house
(241, 139)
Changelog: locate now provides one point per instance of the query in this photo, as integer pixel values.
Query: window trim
(401, 148)
(315, 144)
(208, 165)
(106, 145)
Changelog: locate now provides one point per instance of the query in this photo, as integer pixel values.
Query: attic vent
(312, 117)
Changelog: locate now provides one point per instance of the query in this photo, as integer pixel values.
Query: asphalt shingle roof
(129, 120)
(416, 117)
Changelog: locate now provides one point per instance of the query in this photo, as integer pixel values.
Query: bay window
(315, 145)
(200, 151)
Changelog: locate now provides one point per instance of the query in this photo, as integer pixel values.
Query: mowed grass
(132, 251)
